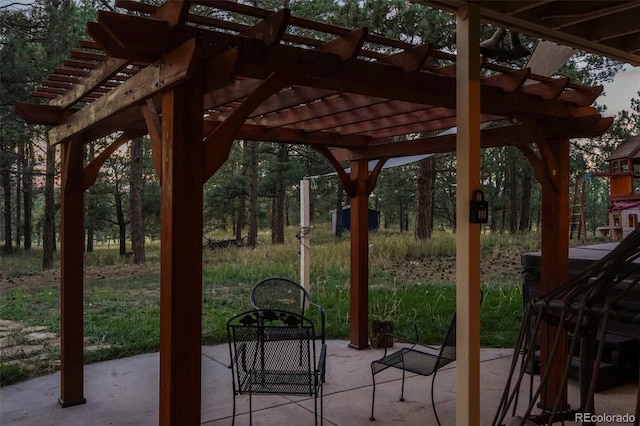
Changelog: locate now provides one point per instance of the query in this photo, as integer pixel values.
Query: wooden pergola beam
(489, 138)
(170, 71)
(293, 136)
(132, 37)
(47, 115)
(321, 70)
(97, 76)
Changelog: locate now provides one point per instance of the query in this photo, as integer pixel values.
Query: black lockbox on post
(478, 208)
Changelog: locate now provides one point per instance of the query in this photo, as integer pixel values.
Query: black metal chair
(419, 359)
(274, 352)
(287, 295)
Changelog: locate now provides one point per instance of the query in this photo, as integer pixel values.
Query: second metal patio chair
(419, 359)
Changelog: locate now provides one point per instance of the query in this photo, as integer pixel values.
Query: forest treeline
(258, 187)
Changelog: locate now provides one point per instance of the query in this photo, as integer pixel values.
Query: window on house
(633, 220)
(615, 166)
(616, 219)
(624, 166)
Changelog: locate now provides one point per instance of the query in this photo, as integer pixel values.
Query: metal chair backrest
(448, 348)
(286, 295)
(280, 293)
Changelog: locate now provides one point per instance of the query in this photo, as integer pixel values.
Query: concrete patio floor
(125, 392)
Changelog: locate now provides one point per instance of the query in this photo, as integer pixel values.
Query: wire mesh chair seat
(419, 359)
(412, 360)
(274, 352)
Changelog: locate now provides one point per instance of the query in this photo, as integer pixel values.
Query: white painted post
(304, 234)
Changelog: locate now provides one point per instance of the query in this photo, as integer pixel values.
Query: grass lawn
(410, 282)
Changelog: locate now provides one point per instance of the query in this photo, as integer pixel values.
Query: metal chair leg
(373, 397)
(433, 402)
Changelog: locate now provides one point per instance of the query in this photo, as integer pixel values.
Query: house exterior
(624, 196)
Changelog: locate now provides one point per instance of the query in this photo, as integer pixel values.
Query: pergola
(195, 82)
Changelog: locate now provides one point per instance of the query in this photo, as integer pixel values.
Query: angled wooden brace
(347, 184)
(533, 157)
(218, 143)
(154, 126)
(548, 163)
(90, 172)
(372, 179)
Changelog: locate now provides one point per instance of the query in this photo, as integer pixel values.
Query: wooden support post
(181, 254)
(555, 260)
(359, 255)
(467, 234)
(72, 284)
(304, 234)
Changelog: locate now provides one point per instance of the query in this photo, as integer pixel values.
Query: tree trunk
(6, 188)
(90, 237)
(241, 217)
(19, 172)
(339, 209)
(122, 225)
(252, 192)
(27, 191)
(277, 207)
(90, 203)
(525, 204)
(135, 201)
(49, 227)
(426, 196)
(513, 198)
